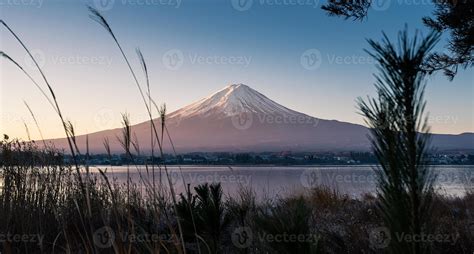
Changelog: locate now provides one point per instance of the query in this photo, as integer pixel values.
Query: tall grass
(400, 138)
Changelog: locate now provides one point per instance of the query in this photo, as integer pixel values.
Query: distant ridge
(238, 118)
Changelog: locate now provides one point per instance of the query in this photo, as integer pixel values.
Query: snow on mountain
(238, 118)
(231, 100)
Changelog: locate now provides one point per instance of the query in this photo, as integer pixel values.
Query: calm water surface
(280, 181)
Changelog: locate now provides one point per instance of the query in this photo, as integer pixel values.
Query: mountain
(238, 118)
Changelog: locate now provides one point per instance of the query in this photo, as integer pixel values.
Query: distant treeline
(281, 158)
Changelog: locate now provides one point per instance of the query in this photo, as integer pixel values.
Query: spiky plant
(205, 211)
(290, 217)
(400, 139)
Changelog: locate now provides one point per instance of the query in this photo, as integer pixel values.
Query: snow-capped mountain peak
(233, 99)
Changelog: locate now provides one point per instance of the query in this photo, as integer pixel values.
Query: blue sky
(264, 44)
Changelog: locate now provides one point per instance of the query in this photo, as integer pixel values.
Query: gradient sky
(271, 37)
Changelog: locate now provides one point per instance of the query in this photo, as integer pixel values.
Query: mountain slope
(238, 118)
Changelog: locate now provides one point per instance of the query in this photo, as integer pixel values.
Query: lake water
(280, 181)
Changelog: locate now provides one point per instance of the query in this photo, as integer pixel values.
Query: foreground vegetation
(43, 210)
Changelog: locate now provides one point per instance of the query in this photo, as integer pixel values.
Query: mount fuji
(238, 118)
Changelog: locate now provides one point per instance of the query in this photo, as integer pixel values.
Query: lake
(269, 181)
